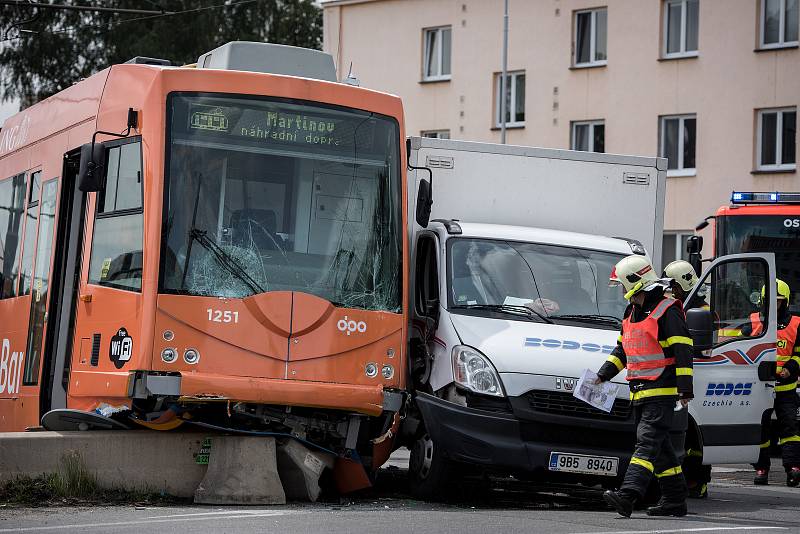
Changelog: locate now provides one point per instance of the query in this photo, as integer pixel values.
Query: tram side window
(31, 218)
(116, 259)
(12, 209)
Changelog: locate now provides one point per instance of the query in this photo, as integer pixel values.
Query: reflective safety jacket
(654, 344)
(788, 349)
(646, 358)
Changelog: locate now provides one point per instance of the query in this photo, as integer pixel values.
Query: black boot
(762, 477)
(667, 508)
(793, 477)
(619, 501)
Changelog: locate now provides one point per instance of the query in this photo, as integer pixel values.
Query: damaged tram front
(241, 262)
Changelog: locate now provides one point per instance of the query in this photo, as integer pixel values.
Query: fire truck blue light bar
(764, 197)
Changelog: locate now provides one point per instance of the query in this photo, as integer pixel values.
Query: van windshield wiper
(590, 318)
(508, 308)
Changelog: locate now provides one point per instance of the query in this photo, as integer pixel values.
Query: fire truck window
(116, 259)
(733, 292)
(12, 207)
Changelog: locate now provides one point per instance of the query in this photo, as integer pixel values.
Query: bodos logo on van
(121, 348)
(791, 223)
(10, 369)
(567, 344)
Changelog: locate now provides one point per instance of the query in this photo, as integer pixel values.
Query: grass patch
(73, 484)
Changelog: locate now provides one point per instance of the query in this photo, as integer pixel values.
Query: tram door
(57, 266)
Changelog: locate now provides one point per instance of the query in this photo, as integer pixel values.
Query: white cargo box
(601, 194)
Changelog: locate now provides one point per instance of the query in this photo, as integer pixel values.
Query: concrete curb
(161, 462)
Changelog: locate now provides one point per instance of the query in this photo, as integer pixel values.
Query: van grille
(565, 404)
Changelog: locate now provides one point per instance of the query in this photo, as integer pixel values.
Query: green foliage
(66, 46)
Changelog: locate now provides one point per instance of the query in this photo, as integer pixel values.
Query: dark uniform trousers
(786, 414)
(654, 454)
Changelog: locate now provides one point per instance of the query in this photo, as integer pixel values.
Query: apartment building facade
(712, 85)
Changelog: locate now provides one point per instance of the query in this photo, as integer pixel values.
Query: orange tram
(220, 245)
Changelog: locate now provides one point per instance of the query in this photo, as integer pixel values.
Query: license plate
(581, 463)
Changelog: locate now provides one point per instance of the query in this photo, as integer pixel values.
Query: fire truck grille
(565, 404)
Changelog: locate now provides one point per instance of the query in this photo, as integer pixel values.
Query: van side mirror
(701, 328)
(91, 173)
(424, 203)
(694, 247)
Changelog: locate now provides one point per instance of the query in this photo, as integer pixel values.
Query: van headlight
(475, 372)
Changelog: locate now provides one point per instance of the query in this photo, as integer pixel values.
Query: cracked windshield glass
(554, 281)
(270, 195)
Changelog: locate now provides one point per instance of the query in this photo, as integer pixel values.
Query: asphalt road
(735, 505)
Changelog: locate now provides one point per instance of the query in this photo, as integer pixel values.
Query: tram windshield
(270, 194)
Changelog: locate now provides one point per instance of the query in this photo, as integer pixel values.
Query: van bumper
(502, 441)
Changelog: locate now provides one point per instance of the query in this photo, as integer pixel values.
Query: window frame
(682, 53)
(436, 77)
(592, 39)
(591, 124)
(436, 134)
(681, 170)
(512, 75)
(774, 167)
(100, 198)
(762, 27)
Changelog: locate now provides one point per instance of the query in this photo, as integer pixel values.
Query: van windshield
(555, 281)
(275, 195)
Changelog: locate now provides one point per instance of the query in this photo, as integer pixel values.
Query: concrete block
(129, 459)
(300, 469)
(241, 470)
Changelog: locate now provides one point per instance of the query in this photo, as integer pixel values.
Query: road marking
(678, 530)
(244, 514)
(221, 512)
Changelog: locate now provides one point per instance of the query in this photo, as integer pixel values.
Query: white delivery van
(510, 303)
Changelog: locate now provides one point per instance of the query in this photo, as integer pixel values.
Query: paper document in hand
(601, 395)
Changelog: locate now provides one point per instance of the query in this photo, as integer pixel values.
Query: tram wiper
(224, 259)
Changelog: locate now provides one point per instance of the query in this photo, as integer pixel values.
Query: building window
(779, 20)
(673, 247)
(515, 99)
(678, 138)
(777, 139)
(681, 18)
(589, 136)
(590, 37)
(436, 134)
(436, 62)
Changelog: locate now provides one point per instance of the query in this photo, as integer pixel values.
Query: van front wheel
(429, 471)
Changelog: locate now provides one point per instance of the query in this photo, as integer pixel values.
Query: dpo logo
(728, 388)
(10, 369)
(349, 326)
(791, 223)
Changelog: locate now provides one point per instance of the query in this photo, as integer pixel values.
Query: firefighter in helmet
(787, 371)
(655, 346)
(683, 280)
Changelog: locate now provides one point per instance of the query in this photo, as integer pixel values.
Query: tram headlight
(169, 355)
(387, 371)
(371, 370)
(191, 356)
(474, 371)
(168, 335)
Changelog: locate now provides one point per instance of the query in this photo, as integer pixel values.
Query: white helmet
(682, 272)
(634, 273)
